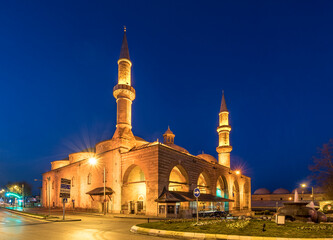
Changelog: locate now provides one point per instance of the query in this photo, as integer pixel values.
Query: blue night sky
(58, 65)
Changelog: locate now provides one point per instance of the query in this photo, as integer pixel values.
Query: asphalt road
(16, 227)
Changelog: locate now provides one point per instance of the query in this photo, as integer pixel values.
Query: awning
(100, 192)
(174, 196)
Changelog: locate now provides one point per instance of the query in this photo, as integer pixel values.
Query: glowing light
(238, 172)
(9, 194)
(290, 198)
(92, 161)
(303, 185)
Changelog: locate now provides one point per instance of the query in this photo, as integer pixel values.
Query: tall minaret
(124, 94)
(223, 130)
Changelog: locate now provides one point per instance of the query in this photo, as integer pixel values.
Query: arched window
(178, 179)
(203, 183)
(89, 179)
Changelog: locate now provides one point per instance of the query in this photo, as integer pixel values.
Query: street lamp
(303, 185)
(93, 161)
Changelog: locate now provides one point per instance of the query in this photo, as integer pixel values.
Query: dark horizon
(58, 66)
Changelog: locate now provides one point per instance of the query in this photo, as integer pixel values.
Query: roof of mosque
(176, 147)
(261, 191)
(207, 157)
(280, 191)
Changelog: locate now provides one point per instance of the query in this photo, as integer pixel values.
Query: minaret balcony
(224, 149)
(224, 128)
(123, 90)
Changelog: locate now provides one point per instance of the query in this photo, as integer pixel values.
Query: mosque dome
(261, 191)
(281, 191)
(176, 147)
(302, 190)
(207, 157)
(140, 141)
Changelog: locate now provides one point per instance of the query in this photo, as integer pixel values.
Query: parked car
(218, 214)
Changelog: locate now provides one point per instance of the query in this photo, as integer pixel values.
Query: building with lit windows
(263, 199)
(131, 175)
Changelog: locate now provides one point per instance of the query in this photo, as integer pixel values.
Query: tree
(16, 187)
(323, 168)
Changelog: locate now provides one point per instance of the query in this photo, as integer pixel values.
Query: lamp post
(93, 161)
(304, 186)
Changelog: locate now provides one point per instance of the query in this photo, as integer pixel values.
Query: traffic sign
(65, 188)
(196, 192)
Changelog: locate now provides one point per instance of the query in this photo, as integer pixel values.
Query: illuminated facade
(149, 178)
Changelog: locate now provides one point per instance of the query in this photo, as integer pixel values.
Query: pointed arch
(236, 195)
(134, 190)
(222, 187)
(178, 179)
(134, 174)
(204, 183)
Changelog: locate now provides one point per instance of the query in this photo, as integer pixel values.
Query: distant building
(263, 199)
(151, 178)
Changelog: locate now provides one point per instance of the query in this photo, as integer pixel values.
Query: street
(16, 227)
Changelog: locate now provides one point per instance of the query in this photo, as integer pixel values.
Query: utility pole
(49, 180)
(23, 203)
(104, 193)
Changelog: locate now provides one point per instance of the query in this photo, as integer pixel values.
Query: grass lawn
(248, 228)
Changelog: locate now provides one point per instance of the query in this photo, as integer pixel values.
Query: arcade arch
(178, 179)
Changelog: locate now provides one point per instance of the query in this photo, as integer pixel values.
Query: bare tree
(323, 168)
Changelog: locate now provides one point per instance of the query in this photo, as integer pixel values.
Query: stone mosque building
(150, 178)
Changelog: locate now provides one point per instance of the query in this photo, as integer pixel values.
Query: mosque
(127, 174)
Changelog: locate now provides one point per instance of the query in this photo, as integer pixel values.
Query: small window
(89, 179)
(161, 209)
(171, 209)
(52, 184)
(280, 198)
(261, 199)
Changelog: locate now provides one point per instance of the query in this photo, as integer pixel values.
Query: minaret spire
(124, 52)
(223, 130)
(223, 107)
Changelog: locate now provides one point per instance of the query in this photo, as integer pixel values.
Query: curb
(40, 217)
(25, 214)
(193, 235)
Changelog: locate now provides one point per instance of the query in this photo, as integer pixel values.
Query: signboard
(196, 192)
(65, 188)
